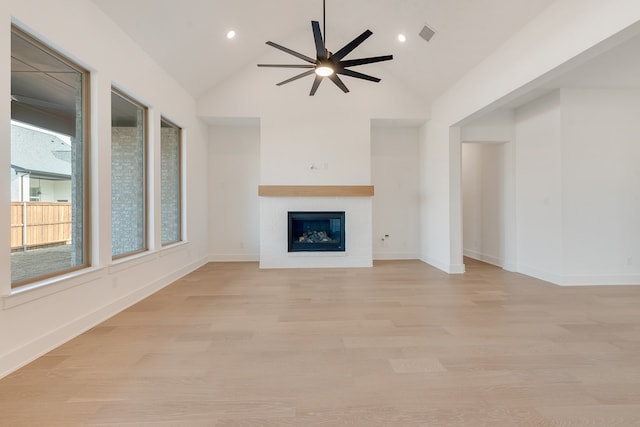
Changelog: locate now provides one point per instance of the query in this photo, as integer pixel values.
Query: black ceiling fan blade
(362, 61)
(321, 50)
(315, 85)
(358, 75)
(334, 78)
(351, 45)
(306, 73)
(287, 65)
(292, 52)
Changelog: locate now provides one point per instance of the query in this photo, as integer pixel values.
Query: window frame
(145, 179)
(180, 181)
(86, 156)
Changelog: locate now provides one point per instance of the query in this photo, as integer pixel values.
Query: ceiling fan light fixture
(326, 63)
(324, 71)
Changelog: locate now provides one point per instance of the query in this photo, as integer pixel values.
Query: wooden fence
(39, 224)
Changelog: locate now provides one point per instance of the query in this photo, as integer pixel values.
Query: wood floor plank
(399, 344)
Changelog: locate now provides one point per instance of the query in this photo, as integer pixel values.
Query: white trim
(510, 267)
(50, 286)
(489, 259)
(390, 256)
(582, 280)
(539, 274)
(447, 268)
(456, 269)
(173, 248)
(601, 280)
(121, 264)
(234, 257)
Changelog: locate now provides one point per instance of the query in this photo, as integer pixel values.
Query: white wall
(548, 45)
(539, 183)
(395, 176)
(296, 148)
(437, 242)
(319, 140)
(601, 195)
(576, 152)
(338, 145)
(38, 319)
(53, 191)
(577, 208)
(234, 206)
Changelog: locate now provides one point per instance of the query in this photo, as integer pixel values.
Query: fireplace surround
(316, 231)
(277, 200)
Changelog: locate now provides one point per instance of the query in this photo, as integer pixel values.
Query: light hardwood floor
(399, 344)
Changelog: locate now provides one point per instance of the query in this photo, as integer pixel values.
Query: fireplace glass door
(316, 232)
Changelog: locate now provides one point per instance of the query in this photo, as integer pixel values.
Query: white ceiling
(187, 37)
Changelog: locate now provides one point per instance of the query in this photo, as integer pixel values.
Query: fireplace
(316, 232)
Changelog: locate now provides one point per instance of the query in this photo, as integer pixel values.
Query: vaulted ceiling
(188, 37)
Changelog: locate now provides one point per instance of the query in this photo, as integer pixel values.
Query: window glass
(48, 151)
(128, 171)
(170, 182)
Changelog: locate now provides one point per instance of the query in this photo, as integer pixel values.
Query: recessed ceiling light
(402, 38)
(231, 34)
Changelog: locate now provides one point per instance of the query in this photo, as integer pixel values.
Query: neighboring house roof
(39, 153)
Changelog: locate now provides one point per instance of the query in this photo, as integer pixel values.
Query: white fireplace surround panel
(358, 232)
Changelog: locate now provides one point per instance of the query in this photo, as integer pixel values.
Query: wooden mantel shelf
(315, 190)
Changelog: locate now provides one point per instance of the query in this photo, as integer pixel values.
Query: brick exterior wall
(127, 190)
(170, 184)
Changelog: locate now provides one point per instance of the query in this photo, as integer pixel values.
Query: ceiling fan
(326, 63)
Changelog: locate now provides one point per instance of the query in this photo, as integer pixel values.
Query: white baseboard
(456, 269)
(540, 274)
(510, 267)
(605, 279)
(489, 259)
(390, 256)
(447, 268)
(581, 280)
(21, 356)
(234, 257)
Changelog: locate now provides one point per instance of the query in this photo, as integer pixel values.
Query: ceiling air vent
(427, 33)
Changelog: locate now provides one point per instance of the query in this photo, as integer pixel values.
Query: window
(170, 142)
(128, 172)
(49, 99)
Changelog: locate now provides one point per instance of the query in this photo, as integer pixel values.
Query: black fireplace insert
(316, 232)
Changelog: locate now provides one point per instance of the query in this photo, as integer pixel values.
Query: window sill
(127, 262)
(50, 286)
(173, 248)
(61, 283)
